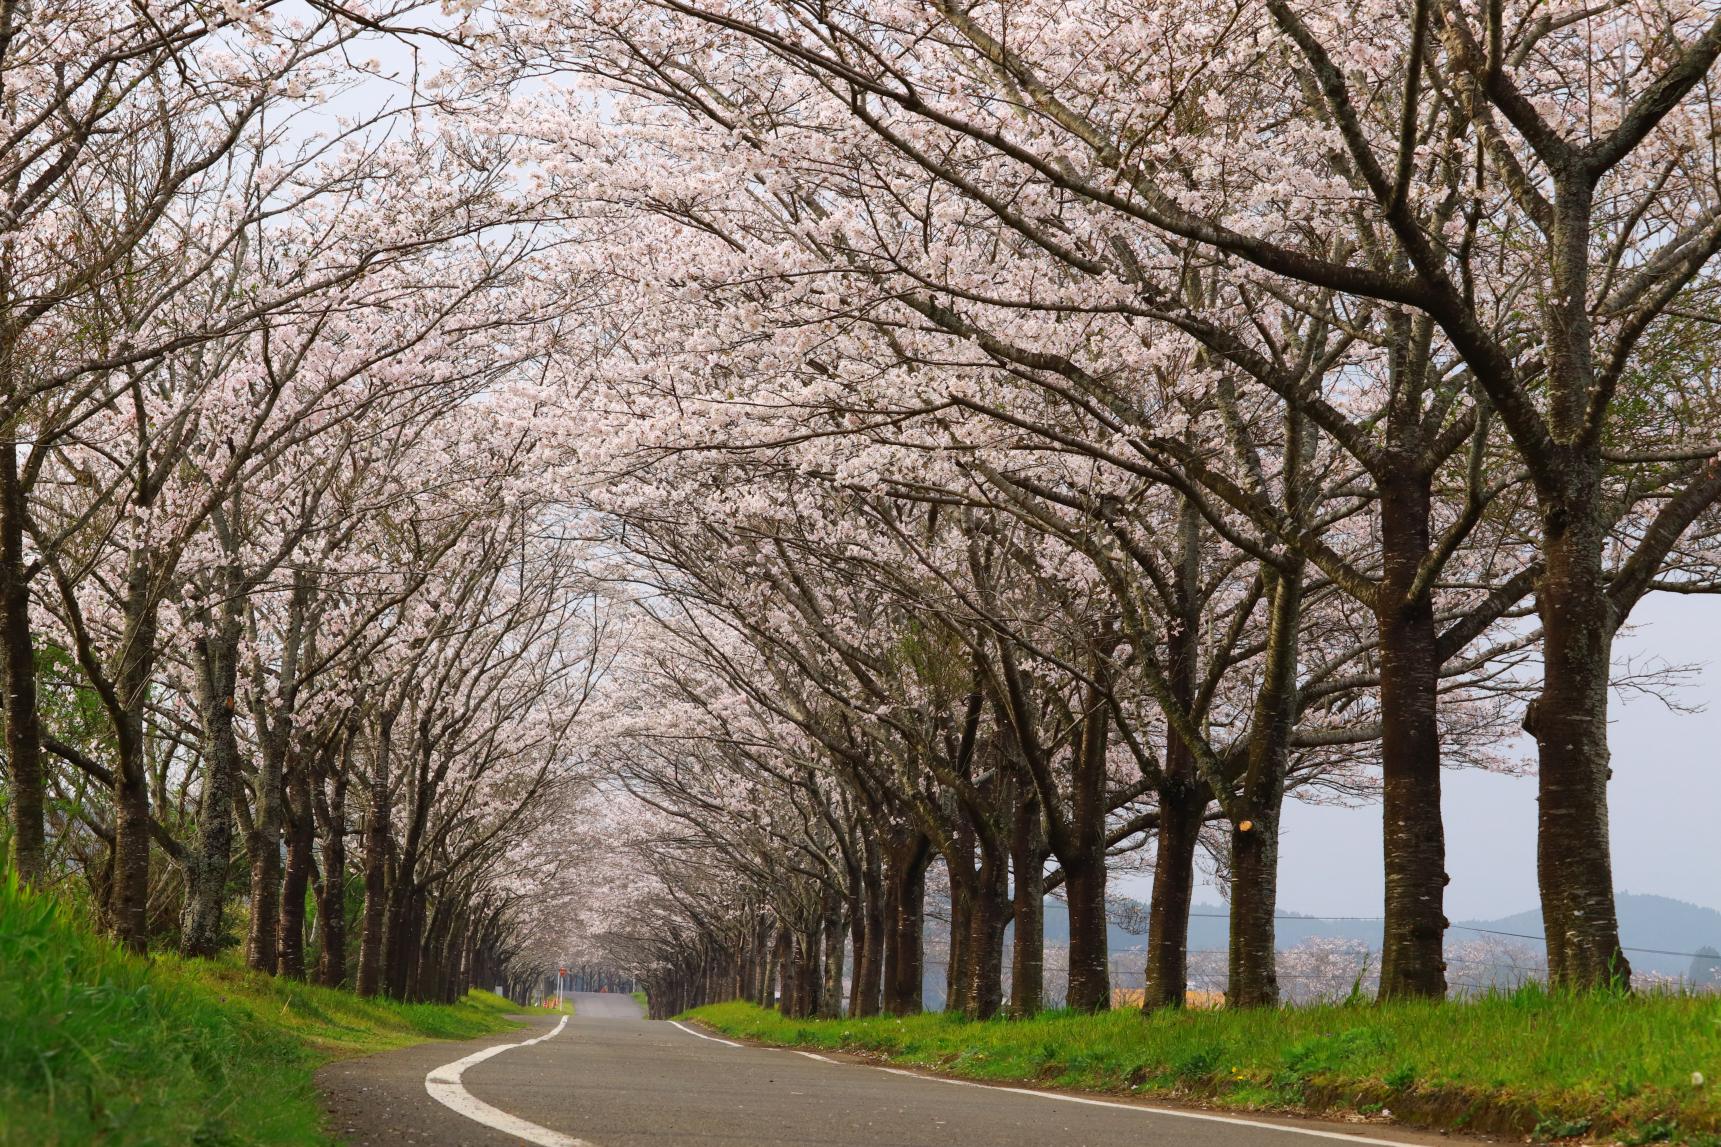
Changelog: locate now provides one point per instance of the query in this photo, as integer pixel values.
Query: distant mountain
(1672, 930)
(1646, 921)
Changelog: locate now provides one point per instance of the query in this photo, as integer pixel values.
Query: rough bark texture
(375, 865)
(1253, 980)
(215, 653)
(1569, 720)
(1414, 845)
(1028, 896)
(1252, 976)
(836, 938)
(905, 917)
(128, 897)
(1573, 861)
(1183, 798)
(810, 976)
(260, 947)
(989, 915)
(1090, 977)
(867, 995)
(959, 864)
(18, 678)
(1181, 808)
(296, 877)
(1084, 864)
(787, 972)
(331, 889)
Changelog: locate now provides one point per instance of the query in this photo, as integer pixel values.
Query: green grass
(1525, 1063)
(97, 1046)
(639, 998)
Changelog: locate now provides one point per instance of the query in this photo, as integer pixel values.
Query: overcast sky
(1665, 794)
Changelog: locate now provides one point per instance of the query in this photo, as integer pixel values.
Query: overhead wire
(1465, 928)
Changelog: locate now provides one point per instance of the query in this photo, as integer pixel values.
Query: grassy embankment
(97, 1046)
(1636, 1070)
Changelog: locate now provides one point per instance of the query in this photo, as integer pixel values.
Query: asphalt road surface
(608, 1078)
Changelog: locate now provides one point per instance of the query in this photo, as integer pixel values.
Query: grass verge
(1638, 1069)
(97, 1046)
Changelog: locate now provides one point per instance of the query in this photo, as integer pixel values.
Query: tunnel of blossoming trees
(769, 501)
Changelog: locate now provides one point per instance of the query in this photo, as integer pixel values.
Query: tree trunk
(1028, 910)
(397, 928)
(836, 934)
(768, 980)
(375, 865)
(747, 971)
(410, 948)
(1182, 805)
(811, 975)
(1254, 980)
(18, 678)
(128, 897)
(301, 841)
(1253, 977)
(787, 972)
(867, 912)
(260, 947)
(905, 915)
(1412, 956)
(988, 916)
(1182, 795)
(1084, 863)
(1569, 721)
(1085, 891)
(332, 891)
(958, 968)
(216, 665)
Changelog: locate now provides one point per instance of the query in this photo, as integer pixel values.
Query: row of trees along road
(292, 644)
(1012, 439)
(1052, 428)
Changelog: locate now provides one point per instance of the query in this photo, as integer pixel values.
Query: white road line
(445, 1087)
(702, 1035)
(1206, 1116)
(1138, 1108)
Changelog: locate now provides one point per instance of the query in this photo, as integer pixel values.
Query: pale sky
(1666, 790)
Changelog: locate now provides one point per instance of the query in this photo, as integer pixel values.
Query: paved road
(610, 1079)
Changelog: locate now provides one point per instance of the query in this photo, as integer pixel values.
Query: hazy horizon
(1330, 859)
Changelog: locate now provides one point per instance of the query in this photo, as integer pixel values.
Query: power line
(1293, 916)
(1461, 927)
(1622, 947)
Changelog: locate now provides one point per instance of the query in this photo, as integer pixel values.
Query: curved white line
(702, 1035)
(444, 1086)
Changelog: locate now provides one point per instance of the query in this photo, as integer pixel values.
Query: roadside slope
(100, 1046)
(1641, 1069)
